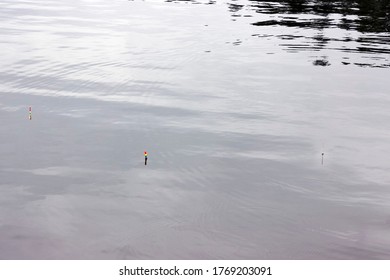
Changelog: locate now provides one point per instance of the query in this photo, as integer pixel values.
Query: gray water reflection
(362, 28)
(225, 98)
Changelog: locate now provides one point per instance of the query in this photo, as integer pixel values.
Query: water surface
(235, 101)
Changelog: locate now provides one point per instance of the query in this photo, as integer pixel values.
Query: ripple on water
(233, 133)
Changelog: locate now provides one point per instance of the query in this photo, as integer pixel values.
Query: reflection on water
(365, 26)
(228, 102)
(308, 25)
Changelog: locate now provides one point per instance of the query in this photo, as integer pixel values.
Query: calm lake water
(235, 102)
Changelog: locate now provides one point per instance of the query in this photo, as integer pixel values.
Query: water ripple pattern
(234, 101)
